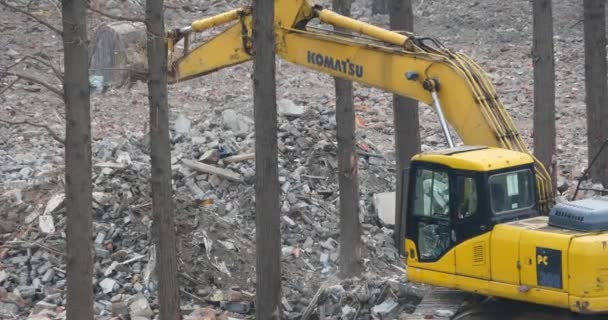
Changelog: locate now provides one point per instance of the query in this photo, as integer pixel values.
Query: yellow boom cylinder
(204, 24)
(341, 21)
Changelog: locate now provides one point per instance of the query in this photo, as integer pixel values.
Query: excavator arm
(418, 68)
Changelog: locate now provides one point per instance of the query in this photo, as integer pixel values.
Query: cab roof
(476, 158)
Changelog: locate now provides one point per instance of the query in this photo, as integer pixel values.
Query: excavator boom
(418, 68)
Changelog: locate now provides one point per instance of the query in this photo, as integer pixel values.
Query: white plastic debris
(444, 313)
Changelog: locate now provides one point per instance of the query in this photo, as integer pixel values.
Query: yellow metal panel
(445, 264)
(226, 49)
(505, 254)
(588, 305)
(473, 257)
(589, 266)
(289, 12)
(531, 241)
(478, 160)
(489, 288)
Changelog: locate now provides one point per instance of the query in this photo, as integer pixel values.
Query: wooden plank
(206, 168)
(267, 190)
(596, 88)
(544, 85)
(239, 157)
(406, 124)
(78, 187)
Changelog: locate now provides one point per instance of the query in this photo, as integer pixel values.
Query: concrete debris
(288, 108)
(107, 285)
(54, 203)
(139, 307)
(123, 158)
(8, 309)
(210, 157)
(182, 124)
(384, 203)
(562, 184)
(46, 223)
(236, 122)
(348, 312)
(102, 198)
(43, 305)
(386, 309)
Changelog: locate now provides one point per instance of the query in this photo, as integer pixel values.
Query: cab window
(432, 195)
(432, 206)
(511, 191)
(466, 202)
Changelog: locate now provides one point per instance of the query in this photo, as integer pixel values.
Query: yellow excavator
(476, 214)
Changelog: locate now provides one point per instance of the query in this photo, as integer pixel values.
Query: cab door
(429, 223)
(472, 228)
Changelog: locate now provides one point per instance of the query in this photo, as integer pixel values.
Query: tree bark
(160, 154)
(380, 6)
(267, 210)
(596, 88)
(407, 128)
(544, 86)
(350, 229)
(77, 161)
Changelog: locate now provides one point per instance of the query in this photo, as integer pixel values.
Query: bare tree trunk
(267, 210)
(160, 154)
(380, 6)
(407, 128)
(350, 229)
(596, 88)
(77, 161)
(544, 86)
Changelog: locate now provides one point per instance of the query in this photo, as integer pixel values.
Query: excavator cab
(461, 193)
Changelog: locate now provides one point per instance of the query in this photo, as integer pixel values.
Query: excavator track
(439, 304)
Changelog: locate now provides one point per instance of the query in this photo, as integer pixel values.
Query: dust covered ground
(211, 120)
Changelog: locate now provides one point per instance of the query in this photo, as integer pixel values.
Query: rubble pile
(213, 172)
(213, 176)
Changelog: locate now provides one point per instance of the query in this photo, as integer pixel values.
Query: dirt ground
(496, 34)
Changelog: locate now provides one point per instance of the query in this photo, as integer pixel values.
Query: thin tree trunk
(350, 229)
(160, 154)
(596, 88)
(544, 86)
(407, 129)
(267, 210)
(77, 161)
(380, 6)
